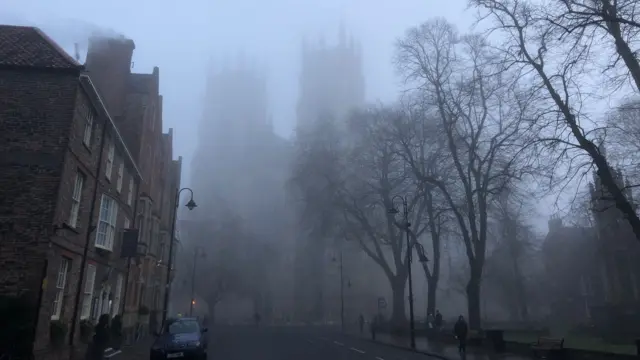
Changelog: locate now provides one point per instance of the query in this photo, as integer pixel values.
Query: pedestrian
(361, 323)
(100, 338)
(116, 331)
(461, 329)
(430, 321)
(438, 320)
(256, 317)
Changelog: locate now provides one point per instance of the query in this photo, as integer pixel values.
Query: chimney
(109, 66)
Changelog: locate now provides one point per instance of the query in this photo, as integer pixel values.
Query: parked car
(180, 339)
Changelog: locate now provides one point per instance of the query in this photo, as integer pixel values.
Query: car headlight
(194, 344)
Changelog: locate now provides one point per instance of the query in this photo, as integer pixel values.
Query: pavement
(311, 343)
(439, 349)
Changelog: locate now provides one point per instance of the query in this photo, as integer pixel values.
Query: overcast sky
(182, 37)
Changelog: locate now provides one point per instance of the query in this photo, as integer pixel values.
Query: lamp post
(405, 214)
(341, 292)
(422, 257)
(190, 205)
(193, 277)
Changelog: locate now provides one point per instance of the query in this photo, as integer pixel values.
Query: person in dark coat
(100, 338)
(361, 323)
(438, 320)
(116, 331)
(460, 329)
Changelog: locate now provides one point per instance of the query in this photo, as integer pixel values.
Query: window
(130, 195)
(61, 282)
(127, 223)
(107, 223)
(75, 200)
(117, 296)
(88, 127)
(120, 175)
(110, 154)
(87, 300)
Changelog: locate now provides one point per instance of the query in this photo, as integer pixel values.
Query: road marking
(338, 343)
(379, 358)
(358, 350)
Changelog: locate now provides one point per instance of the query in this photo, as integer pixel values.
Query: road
(295, 343)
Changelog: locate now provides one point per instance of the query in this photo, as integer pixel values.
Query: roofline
(86, 79)
(57, 48)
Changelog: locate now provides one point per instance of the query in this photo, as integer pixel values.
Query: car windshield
(182, 327)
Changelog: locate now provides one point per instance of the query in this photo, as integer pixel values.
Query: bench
(547, 347)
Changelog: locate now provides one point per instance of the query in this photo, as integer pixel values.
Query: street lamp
(341, 292)
(193, 277)
(405, 216)
(190, 205)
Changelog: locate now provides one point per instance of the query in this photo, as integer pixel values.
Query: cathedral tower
(331, 84)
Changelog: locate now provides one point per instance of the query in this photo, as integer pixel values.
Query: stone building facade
(68, 185)
(591, 270)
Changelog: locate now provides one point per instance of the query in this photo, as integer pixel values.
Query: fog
(244, 83)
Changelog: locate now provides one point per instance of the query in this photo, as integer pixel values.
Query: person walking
(460, 329)
(361, 323)
(438, 320)
(100, 338)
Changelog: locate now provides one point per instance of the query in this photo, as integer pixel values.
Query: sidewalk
(137, 351)
(439, 349)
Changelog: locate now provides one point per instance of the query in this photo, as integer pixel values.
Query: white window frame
(61, 283)
(76, 197)
(117, 296)
(127, 223)
(111, 151)
(87, 300)
(88, 128)
(107, 220)
(130, 195)
(120, 176)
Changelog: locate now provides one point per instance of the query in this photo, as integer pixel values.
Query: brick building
(68, 186)
(135, 103)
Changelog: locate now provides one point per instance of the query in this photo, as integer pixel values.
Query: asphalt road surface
(297, 343)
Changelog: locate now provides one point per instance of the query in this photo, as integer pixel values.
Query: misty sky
(185, 40)
(183, 37)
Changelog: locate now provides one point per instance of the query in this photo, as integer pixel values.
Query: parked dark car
(180, 339)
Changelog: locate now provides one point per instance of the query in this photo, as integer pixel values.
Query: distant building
(592, 271)
(135, 103)
(68, 186)
(240, 168)
(331, 85)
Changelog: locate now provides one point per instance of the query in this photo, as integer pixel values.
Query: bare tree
(359, 173)
(223, 267)
(413, 134)
(585, 21)
(479, 122)
(533, 46)
(375, 174)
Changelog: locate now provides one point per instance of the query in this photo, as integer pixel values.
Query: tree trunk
(473, 301)
(432, 286)
(398, 315)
